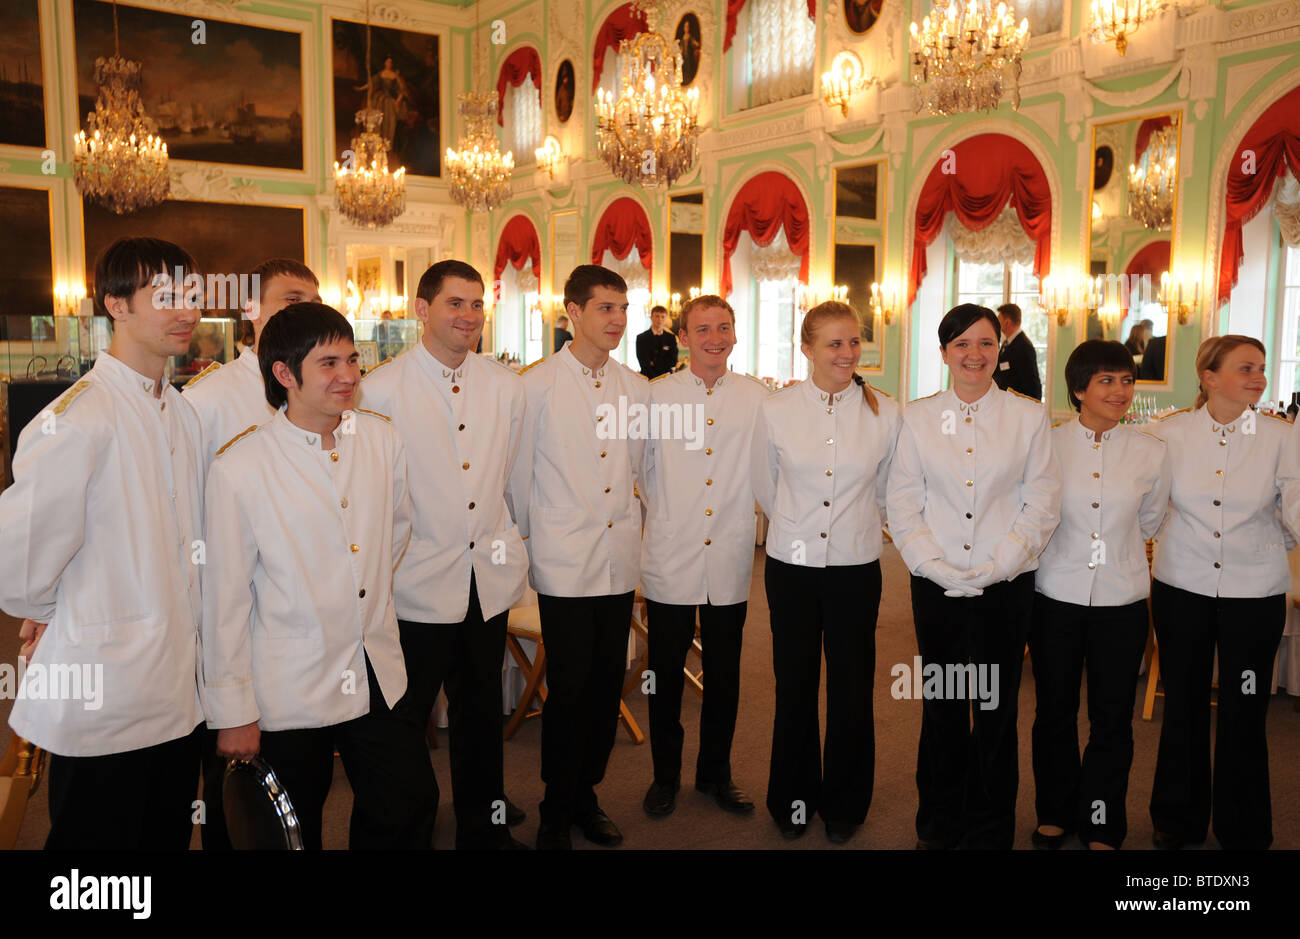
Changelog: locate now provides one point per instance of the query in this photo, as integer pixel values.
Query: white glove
(955, 583)
(987, 574)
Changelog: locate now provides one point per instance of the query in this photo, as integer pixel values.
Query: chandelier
(964, 56)
(1114, 20)
(480, 174)
(1151, 180)
(364, 191)
(118, 162)
(649, 134)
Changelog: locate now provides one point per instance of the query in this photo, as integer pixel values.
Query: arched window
(775, 52)
(623, 242)
(606, 64)
(765, 251)
(519, 102)
(517, 325)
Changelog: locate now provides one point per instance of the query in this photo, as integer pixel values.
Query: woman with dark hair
(821, 452)
(1220, 582)
(1136, 343)
(1090, 604)
(974, 495)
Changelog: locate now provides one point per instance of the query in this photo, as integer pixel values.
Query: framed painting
(565, 83)
(404, 85)
(22, 82)
(688, 40)
(861, 15)
(229, 93)
(26, 264)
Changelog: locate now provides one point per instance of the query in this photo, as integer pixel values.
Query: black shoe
(598, 829)
(553, 838)
(1164, 841)
(514, 814)
(728, 796)
(840, 832)
(791, 830)
(661, 799)
(1044, 842)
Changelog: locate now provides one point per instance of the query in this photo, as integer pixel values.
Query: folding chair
(20, 773)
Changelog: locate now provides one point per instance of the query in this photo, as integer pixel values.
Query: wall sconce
(1061, 296)
(1179, 298)
(807, 297)
(549, 156)
(884, 303)
(67, 298)
(845, 79)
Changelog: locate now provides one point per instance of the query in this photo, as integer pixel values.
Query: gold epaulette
(211, 368)
(534, 365)
(1153, 437)
(378, 367)
(235, 439)
(67, 397)
(926, 398)
(1057, 424)
(1276, 417)
(1165, 417)
(1037, 401)
(375, 414)
(879, 391)
(658, 377)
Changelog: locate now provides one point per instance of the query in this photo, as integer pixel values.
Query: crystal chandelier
(1115, 20)
(119, 163)
(480, 174)
(364, 191)
(964, 56)
(1151, 180)
(649, 135)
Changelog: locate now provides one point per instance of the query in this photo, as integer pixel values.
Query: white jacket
(229, 399)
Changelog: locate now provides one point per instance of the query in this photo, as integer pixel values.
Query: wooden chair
(694, 679)
(20, 774)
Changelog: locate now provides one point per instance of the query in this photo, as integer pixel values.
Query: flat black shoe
(1044, 842)
(598, 829)
(840, 832)
(660, 799)
(1164, 841)
(553, 838)
(791, 830)
(514, 814)
(728, 796)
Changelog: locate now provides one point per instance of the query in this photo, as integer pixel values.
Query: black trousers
(466, 657)
(671, 629)
(1088, 795)
(386, 759)
(1245, 631)
(586, 656)
(837, 607)
(213, 832)
(138, 800)
(967, 771)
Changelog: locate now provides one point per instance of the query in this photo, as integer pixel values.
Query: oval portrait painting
(861, 15)
(565, 87)
(688, 40)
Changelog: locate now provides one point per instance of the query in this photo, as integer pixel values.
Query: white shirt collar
(1091, 436)
(281, 424)
(583, 372)
(125, 377)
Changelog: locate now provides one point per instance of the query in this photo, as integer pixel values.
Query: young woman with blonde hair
(821, 454)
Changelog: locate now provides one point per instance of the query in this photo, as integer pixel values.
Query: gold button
(1217, 502)
(471, 505)
(968, 515)
(830, 410)
(471, 546)
(1218, 472)
(461, 427)
(599, 418)
(823, 534)
(343, 503)
(830, 440)
(709, 422)
(607, 489)
(970, 482)
(708, 451)
(455, 389)
(1094, 534)
(164, 406)
(708, 511)
(708, 482)
(1096, 505)
(355, 549)
(1223, 441)
(597, 384)
(828, 472)
(1216, 534)
(708, 541)
(464, 466)
(966, 546)
(968, 420)
(1096, 446)
(334, 457)
(709, 392)
(362, 593)
(602, 453)
(826, 503)
(970, 449)
(1216, 565)
(609, 524)
(1092, 566)
(1096, 475)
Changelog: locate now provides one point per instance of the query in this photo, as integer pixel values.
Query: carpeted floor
(697, 823)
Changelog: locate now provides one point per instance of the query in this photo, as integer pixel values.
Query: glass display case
(215, 339)
(379, 339)
(51, 348)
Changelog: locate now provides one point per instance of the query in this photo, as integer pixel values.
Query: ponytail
(868, 394)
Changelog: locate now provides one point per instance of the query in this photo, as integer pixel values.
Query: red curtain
(1270, 146)
(766, 204)
(984, 172)
(1145, 130)
(623, 23)
(515, 70)
(733, 10)
(1152, 259)
(623, 227)
(518, 246)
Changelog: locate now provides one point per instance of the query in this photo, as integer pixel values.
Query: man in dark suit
(561, 334)
(1153, 361)
(1017, 361)
(656, 348)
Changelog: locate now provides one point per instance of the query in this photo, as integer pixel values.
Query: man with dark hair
(307, 516)
(461, 417)
(562, 334)
(572, 494)
(656, 348)
(99, 533)
(1017, 361)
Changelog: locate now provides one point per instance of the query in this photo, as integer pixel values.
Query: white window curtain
(782, 50)
(1003, 242)
(523, 118)
(638, 301)
(1286, 207)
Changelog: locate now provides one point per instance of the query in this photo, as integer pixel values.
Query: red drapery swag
(733, 10)
(766, 204)
(1145, 130)
(1153, 259)
(624, 226)
(1270, 146)
(984, 172)
(518, 246)
(623, 23)
(515, 70)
